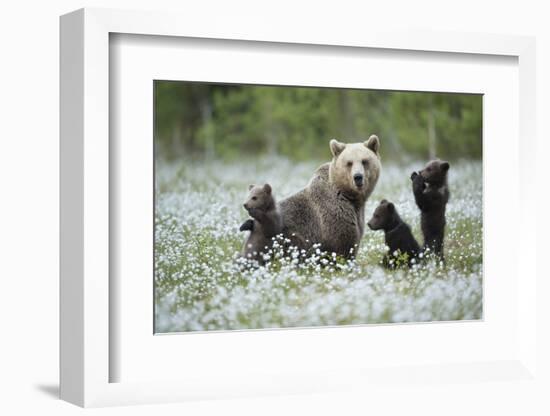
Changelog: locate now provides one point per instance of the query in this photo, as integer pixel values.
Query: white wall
(29, 191)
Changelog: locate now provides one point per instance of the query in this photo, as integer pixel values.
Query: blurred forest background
(220, 121)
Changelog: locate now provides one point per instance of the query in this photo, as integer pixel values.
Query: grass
(199, 285)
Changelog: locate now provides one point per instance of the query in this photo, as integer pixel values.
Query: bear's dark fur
(431, 194)
(397, 233)
(330, 210)
(265, 225)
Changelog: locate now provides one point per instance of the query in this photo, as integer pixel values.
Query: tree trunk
(393, 140)
(175, 142)
(206, 115)
(271, 128)
(432, 138)
(347, 115)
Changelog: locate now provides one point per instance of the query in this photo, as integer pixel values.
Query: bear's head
(355, 167)
(259, 198)
(435, 172)
(384, 217)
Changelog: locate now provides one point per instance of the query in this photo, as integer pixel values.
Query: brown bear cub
(398, 235)
(265, 225)
(431, 194)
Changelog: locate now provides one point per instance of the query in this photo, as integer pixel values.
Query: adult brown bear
(330, 211)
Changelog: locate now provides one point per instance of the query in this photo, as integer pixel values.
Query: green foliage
(396, 260)
(229, 121)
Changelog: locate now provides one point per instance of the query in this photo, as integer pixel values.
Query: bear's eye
(349, 164)
(254, 198)
(365, 162)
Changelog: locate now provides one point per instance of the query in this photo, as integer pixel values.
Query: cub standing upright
(431, 193)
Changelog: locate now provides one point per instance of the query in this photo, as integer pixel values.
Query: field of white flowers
(199, 286)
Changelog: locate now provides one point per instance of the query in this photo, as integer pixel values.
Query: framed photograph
(262, 213)
(254, 230)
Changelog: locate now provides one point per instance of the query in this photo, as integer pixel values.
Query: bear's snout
(245, 205)
(358, 179)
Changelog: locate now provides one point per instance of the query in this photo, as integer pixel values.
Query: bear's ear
(267, 188)
(384, 201)
(373, 143)
(250, 187)
(445, 166)
(391, 207)
(336, 147)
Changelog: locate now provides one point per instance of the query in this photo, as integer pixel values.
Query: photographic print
(285, 206)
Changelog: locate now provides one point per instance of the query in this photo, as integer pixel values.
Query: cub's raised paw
(248, 225)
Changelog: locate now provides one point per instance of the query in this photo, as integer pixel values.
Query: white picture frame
(86, 354)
